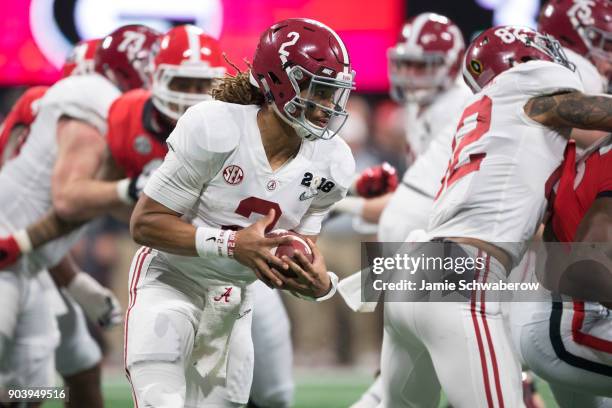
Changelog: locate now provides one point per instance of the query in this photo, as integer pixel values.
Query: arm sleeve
(342, 170)
(188, 166)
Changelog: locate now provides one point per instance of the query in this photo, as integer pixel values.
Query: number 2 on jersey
(256, 205)
(476, 117)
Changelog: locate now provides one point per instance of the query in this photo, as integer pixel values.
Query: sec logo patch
(233, 174)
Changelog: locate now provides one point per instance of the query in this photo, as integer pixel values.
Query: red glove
(376, 181)
(9, 251)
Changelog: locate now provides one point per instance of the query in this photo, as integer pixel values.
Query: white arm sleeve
(189, 165)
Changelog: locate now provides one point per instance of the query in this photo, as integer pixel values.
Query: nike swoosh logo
(211, 239)
(240, 316)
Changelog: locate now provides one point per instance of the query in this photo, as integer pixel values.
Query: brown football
(298, 243)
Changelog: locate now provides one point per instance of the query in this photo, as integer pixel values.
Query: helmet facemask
(599, 43)
(318, 109)
(551, 47)
(417, 78)
(173, 103)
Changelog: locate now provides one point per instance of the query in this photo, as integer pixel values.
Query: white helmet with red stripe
(81, 59)
(185, 66)
(426, 59)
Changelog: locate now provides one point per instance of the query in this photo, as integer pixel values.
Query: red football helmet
(81, 59)
(125, 56)
(500, 48)
(185, 52)
(583, 26)
(303, 69)
(426, 59)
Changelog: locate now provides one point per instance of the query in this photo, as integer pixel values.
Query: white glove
(100, 304)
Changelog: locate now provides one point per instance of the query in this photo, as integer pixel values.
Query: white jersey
(501, 161)
(217, 174)
(26, 180)
(430, 134)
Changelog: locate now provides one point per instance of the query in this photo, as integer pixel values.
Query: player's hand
(99, 304)
(9, 251)
(137, 185)
(376, 181)
(312, 278)
(253, 249)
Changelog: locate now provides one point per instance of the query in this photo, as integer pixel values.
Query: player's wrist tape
(215, 242)
(23, 241)
(333, 278)
(123, 191)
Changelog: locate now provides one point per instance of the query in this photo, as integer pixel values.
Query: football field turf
(314, 390)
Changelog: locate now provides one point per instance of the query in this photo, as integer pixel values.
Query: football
(298, 243)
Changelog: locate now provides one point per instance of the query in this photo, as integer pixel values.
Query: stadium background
(335, 350)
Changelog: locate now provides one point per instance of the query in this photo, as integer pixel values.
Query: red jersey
(132, 140)
(579, 186)
(23, 113)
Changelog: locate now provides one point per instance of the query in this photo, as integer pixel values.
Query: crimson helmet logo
(233, 174)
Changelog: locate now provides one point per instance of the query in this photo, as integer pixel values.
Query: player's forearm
(164, 232)
(156, 226)
(49, 228)
(83, 200)
(572, 110)
(64, 272)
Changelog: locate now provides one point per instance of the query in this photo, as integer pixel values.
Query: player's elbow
(66, 207)
(139, 227)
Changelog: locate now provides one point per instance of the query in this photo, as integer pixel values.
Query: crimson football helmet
(81, 59)
(583, 26)
(303, 69)
(500, 48)
(125, 56)
(426, 59)
(184, 52)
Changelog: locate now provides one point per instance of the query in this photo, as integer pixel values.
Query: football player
(78, 356)
(139, 123)
(568, 343)
(424, 69)
(509, 140)
(583, 28)
(68, 122)
(262, 151)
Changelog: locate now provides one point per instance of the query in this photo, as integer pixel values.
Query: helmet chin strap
(300, 130)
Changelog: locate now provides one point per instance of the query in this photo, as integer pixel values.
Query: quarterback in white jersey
(493, 193)
(266, 154)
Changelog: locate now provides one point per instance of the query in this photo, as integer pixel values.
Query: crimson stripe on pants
(142, 255)
(485, 324)
(483, 361)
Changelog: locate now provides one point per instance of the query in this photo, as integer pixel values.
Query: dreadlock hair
(237, 89)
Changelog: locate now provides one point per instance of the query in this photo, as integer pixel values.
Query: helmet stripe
(194, 44)
(417, 26)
